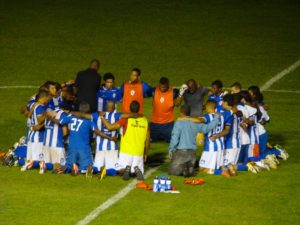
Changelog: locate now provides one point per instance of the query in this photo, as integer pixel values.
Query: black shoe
(138, 172)
(126, 175)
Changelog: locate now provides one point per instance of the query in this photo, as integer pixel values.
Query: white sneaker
(262, 164)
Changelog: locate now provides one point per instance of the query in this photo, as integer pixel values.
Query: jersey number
(75, 125)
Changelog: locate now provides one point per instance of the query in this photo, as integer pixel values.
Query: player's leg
(178, 163)
(154, 132)
(138, 167)
(166, 131)
(48, 157)
(99, 160)
(85, 159)
(111, 162)
(125, 162)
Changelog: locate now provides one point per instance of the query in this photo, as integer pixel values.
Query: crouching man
(183, 147)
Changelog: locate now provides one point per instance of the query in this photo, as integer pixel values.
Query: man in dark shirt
(87, 84)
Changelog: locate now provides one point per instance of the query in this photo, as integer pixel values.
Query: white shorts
(106, 158)
(231, 156)
(131, 160)
(211, 159)
(35, 151)
(55, 155)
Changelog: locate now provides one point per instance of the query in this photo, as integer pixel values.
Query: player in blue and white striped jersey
(106, 150)
(108, 92)
(36, 137)
(217, 94)
(54, 148)
(212, 155)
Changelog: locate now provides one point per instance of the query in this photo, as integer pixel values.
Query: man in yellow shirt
(135, 142)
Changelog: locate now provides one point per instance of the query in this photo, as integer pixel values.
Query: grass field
(246, 41)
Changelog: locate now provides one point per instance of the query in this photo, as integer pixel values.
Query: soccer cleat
(232, 170)
(102, 173)
(283, 153)
(273, 158)
(42, 167)
(58, 169)
(126, 175)
(139, 174)
(283, 156)
(251, 168)
(261, 164)
(89, 172)
(26, 167)
(270, 162)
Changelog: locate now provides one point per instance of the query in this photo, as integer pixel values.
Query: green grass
(246, 41)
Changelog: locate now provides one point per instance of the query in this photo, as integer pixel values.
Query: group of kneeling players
(234, 134)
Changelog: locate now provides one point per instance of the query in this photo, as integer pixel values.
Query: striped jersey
(54, 103)
(103, 143)
(36, 135)
(53, 132)
(218, 144)
(232, 139)
(252, 130)
(264, 116)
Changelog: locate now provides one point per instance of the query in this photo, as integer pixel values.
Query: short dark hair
(134, 106)
(164, 81)
(84, 107)
(229, 99)
(137, 70)
(217, 83)
(258, 96)
(47, 84)
(236, 98)
(193, 81)
(237, 85)
(108, 76)
(42, 94)
(95, 61)
(57, 86)
(186, 110)
(245, 95)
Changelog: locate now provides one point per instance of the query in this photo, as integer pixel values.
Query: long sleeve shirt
(185, 131)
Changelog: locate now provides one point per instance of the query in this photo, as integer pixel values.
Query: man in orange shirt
(165, 98)
(134, 90)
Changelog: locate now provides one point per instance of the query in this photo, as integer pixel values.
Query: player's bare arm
(109, 126)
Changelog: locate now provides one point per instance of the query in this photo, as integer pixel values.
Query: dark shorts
(161, 131)
(180, 160)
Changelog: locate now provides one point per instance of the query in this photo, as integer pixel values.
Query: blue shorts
(263, 140)
(161, 131)
(82, 157)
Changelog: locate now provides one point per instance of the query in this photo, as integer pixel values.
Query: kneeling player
(135, 142)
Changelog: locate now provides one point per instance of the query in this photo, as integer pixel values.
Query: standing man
(193, 97)
(134, 90)
(87, 85)
(165, 98)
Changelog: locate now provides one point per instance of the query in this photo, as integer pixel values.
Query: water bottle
(162, 184)
(155, 185)
(168, 184)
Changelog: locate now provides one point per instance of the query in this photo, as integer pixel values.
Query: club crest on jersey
(162, 99)
(41, 156)
(132, 93)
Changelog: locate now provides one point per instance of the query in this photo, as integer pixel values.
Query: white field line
(112, 200)
(280, 75)
(19, 86)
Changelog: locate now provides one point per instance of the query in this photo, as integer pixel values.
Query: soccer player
(232, 139)
(135, 142)
(106, 158)
(165, 98)
(108, 92)
(79, 155)
(54, 146)
(134, 90)
(182, 148)
(236, 88)
(217, 93)
(35, 151)
(212, 158)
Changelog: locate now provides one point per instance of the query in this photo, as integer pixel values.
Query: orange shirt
(163, 106)
(132, 92)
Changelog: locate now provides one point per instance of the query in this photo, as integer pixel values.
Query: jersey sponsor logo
(132, 93)
(162, 99)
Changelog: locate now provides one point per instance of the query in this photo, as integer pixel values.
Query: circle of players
(232, 130)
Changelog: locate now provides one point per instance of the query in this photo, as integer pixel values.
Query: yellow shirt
(133, 141)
